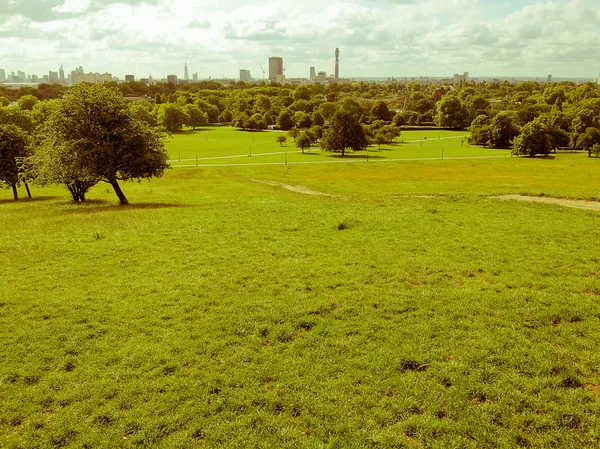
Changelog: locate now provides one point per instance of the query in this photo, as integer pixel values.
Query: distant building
(129, 78)
(145, 81)
(61, 74)
(2, 75)
(21, 75)
(276, 69)
(78, 78)
(172, 79)
(549, 80)
(245, 75)
(90, 78)
(53, 77)
(337, 63)
(321, 78)
(106, 77)
(186, 75)
(313, 73)
(464, 78)
(195, 76)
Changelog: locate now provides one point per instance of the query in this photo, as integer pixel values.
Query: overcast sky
(377, 38)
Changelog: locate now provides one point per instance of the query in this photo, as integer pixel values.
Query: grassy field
(227, 146)
(408, 309)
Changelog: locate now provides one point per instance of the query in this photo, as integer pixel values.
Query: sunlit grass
(221, 312)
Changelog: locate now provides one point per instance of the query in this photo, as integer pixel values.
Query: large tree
(344, 133)
(95, 126)
(13, 148)
(502, 130)
(535, 138)
(451, 113)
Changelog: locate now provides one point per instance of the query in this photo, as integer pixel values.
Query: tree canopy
(344, 133)
(95, 130)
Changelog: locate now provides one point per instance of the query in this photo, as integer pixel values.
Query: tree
(588, 139)
(195, 116)
(502, 130)
(13, 146)
(480, 131)
(534, 139)
(303, 141)
(27, 102)
(293, 133)
(380, 111)
(95, 126)
(284, 121)
(451, 113)
(380, 139)
(344, 133)
(281, 139)
(172, 117)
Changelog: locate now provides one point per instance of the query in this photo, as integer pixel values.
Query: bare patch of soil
(578, 204)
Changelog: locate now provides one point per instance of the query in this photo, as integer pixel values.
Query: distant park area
(231, 146)
(388, 303)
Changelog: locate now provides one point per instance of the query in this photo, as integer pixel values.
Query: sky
(377, 38)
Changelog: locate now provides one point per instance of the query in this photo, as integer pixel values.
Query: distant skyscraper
(172, 79)
(61, 74)
(186, 75)
(53, 77)
(275, 68)
(245, 75)
(337, 63)
(195, 76)
(2, 75)
(21, 75)
(313, 73)
(549, 80)
(129, 78)
(106, 77)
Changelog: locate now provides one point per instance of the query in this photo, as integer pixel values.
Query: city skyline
(379, 38)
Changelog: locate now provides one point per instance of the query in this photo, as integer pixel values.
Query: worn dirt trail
(299, 189)
(578, 204)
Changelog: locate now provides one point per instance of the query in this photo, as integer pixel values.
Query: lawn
(228, 146)
(407, 309)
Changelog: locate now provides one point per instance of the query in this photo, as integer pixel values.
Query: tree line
(39, 138)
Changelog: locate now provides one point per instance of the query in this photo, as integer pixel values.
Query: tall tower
(186, 75)
(337, 62)
(276, 69)
(61, 74)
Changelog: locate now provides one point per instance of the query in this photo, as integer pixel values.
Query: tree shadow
(357, 156)
(92, 206)
(191, 132)
(26, 199)
(241, 130)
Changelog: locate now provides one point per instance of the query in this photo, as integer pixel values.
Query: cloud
(376, 37)
(73, 7)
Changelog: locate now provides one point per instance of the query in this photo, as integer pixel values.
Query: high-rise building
(2, 76)
(313, 73)
(337, 62)
(195, 76)
(275, 68)
(172, 79)
(245, 75)
(129, 78)
(53, 77)
(549, 80)
(61, 74)
(106, 77)
(21, 75)
(186, 75)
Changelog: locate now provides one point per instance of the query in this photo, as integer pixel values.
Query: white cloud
(73, 6)
(376, 37)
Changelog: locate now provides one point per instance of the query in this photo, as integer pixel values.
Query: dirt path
(578, 204)
(299, 189)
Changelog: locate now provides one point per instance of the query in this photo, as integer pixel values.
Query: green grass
(229, 146)
(221, 312)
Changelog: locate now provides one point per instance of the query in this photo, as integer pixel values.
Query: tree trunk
(122, 199)
(15, 193)
(27, 188)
